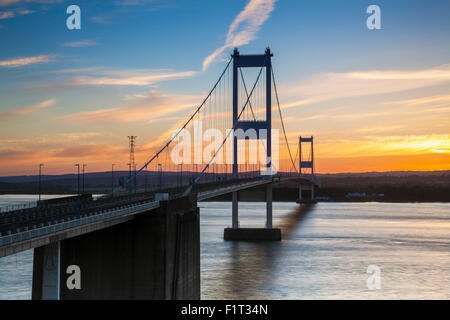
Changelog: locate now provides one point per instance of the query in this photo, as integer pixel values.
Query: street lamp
(40, 174)
(84, 166)
(79, 203)
(112, 180)
(130, 186)
(160, 176)
(135, 177)
(145, 181)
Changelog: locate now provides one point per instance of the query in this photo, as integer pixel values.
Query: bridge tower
(251, 61)
(307, 164)
(263, 130)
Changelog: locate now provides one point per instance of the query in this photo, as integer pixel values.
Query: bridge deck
(30, 228)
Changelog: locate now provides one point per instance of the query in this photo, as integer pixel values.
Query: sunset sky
(375, 100)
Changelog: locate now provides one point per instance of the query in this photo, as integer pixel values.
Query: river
(325, 253)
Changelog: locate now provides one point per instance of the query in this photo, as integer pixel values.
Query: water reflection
(326, 250)
(324, 254)
(290, 222)
(251, 264)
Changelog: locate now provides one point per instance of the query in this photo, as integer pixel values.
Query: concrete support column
(269, 233)
(312, 192)
(156, 255)
(299, 192)
(46, 272)
(269, 206)
(235, 215)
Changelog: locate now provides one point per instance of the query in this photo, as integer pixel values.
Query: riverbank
(394, 187)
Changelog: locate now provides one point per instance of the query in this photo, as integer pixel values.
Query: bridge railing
(17, 206)
(202, 195)
(104, 214)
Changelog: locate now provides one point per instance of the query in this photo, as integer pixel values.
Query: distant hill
(107, 175)
(394, 186)
(95, 182)
(386, 173)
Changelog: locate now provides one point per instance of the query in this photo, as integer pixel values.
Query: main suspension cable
(282, 122)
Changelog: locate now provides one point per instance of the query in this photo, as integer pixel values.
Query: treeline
(386, 187)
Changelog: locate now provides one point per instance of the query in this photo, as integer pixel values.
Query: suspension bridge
(143, 242)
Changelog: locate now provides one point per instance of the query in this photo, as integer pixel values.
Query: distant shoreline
(393, 187)
(281, 201)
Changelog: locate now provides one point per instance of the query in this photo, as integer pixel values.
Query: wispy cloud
(136, 80)
(125, 3)
(386, 145)
(124, 8)
(103, 77)
(39, 106)
(244, 27)
(84, 151)
(78, 44)
(300, 103)
(6, 15)
(379, 129)
(331, 86)
(152, 108)
(20, 62)
(14, 13)
(5, 3)
(78, 70)
(437, 73)
(424, 100)
(52, 140)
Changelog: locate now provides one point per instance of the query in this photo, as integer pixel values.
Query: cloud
(300, 103)
(101, 77)
(424, 100)
(20, 62)
(137, 80)
(78, 44)
(437, 73)
(379, 129)
(39, 106)
(6, 15)
(60, 158)
(14, 13)
(150, 109)
(331, 86)
(104, 19)
(85, 151)
(244, 27)
(5, 3)
(133, 2)
(370, 146)
(78, 70)
(123, 8)
(10, 154)
(53, 141)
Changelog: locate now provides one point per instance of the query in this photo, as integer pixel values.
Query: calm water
(325, 252)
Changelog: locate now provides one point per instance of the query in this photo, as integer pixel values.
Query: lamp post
(145, 181)
(40, 174)
(79, 200)
(135, 177)
(84, 166)
(160, 176)
(130, 183)
(112, 180)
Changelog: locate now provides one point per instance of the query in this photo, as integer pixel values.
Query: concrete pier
(252, 234)
(46, 272)
(156, 255)
(306, 187)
